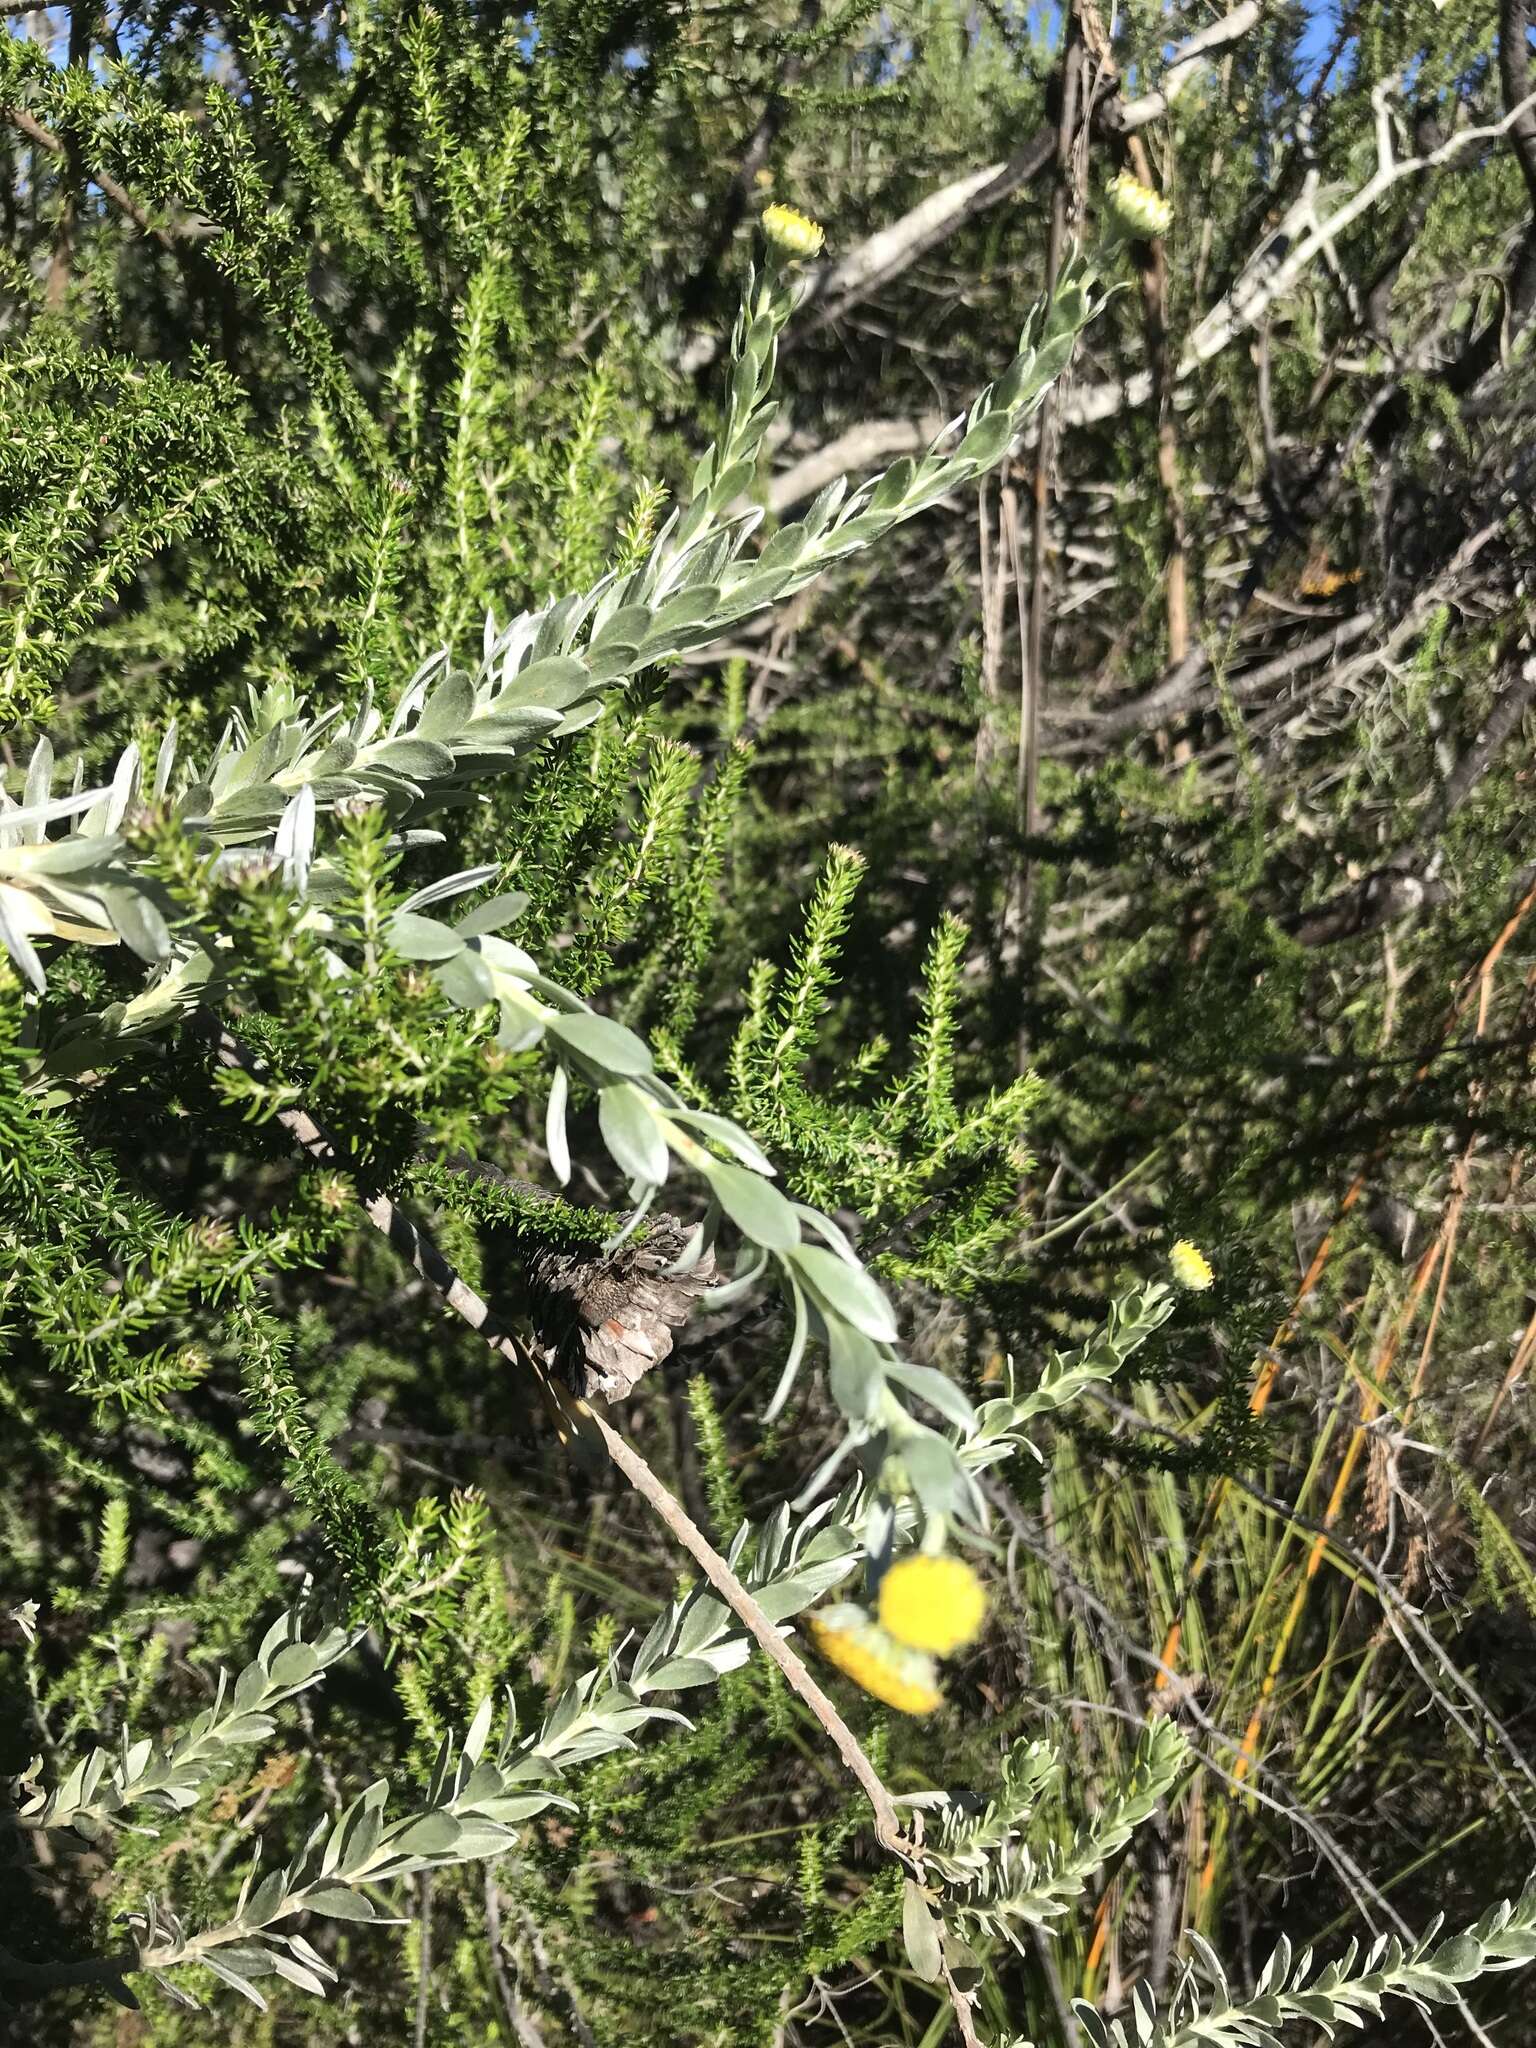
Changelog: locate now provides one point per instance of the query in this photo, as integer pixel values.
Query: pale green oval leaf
(847, 1289)
(415, 937)
(337, 1902)
(754, 1205)
(602, 1041)
(631, 1133)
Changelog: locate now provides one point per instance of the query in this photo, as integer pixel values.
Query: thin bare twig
(424, 1959)
(1187, 61)
(1292, 246)
(194, 228)
(544, 1973)
(525, 2029)
(420, 1251)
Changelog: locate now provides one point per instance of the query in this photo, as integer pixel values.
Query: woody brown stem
(418, 1249)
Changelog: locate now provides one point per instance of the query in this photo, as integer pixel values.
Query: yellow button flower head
(904, 1679)
(1191, 1268)
(1138, 207)
(792, 231)
(932, 1603)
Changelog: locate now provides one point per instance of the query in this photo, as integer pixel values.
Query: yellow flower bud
(1138, 207)
(1191, 1268)
(792, 231)
(903, 1678)
(932, 1603)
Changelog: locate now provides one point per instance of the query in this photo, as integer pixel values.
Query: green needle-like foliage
(869, 876)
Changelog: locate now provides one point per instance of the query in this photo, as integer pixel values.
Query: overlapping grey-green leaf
(260, 795)
(1293, 1991)
(991, 1885)
(986, 1881)
(477, 1796)
(104, 1784)
(1132, 1319)
(997, 1885)
(542, 675)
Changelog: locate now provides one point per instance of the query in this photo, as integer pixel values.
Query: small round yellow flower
(904, 1679)
(1191, 1268)
(932, 1603)
(792, 231)
(1138, 207)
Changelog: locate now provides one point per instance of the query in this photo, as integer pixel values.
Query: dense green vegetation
(495, 848)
